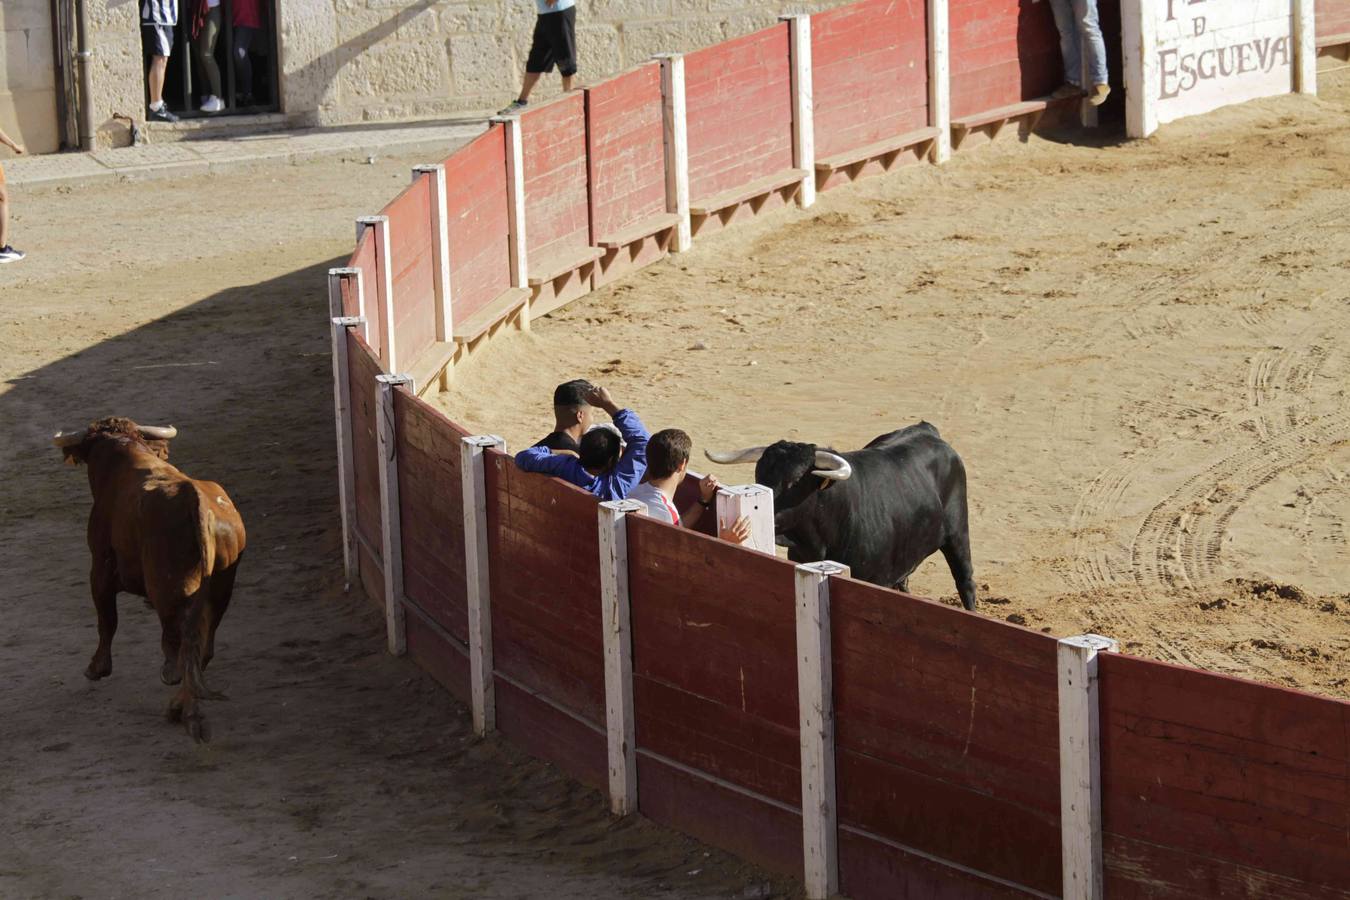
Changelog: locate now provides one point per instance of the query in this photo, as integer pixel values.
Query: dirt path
(1138, 349)
(336, 770)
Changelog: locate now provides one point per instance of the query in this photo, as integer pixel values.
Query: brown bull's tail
(195, 624)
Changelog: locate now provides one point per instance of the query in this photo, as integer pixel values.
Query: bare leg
(568, 81)
(4, 217)
(531, 79)
(103, 585)
(158, 66)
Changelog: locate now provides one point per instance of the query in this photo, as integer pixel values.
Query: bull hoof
(98, 670)
(198, 728)
(175, 711)
(169, 673)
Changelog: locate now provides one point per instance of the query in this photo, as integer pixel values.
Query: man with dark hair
(572, 416)
(667, 466)
(599, 465)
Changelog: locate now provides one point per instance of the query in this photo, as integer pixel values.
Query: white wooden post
(617, 620)
(815, 698)
(474, 481)
(939, 80)
(803, 123)
(1080, 790)
(1305, 47)
(384, 271)
(1137, 29)
(392, 531)
(515, 207)
(440, 248)
(342, 419)
(676, 130)
(754, 501)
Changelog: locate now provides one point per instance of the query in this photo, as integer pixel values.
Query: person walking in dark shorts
(554, 44)
(158, 18)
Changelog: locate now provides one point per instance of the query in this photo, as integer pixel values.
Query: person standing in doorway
(158, 19)
(1079, 34)
(247, 21)
(206, 19)
(7, 253)
(554, 44)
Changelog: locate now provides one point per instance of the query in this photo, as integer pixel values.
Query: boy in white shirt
(667, 465)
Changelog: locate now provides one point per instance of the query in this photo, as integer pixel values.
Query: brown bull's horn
(747, 455)
(832, 466)
(158, 432)
(69, 438)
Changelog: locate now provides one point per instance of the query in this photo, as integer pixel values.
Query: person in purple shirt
(600, 468)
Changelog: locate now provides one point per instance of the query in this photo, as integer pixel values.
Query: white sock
(156, 107)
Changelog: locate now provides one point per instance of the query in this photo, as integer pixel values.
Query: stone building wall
(348, 61)
(28, 75)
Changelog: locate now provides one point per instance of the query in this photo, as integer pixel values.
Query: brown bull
(156, 533)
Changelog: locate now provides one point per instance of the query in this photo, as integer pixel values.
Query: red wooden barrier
(715, 691)
(1332, 18)
(1213, 786)
(364, 259)
(869, 71)
(351, 301)
(627, 155)
(364, 366)
(431, 510)
(738, 95)
(477, 203)
(1002, 51)
(947, 738)
(414, 261)
(544, 566)
(557, 218)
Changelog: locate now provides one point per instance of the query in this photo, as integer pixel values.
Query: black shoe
(162, 115)
(8, 254)
(513, 109)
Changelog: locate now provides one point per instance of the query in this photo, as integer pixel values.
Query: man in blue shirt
(600, 468)
(555, 43)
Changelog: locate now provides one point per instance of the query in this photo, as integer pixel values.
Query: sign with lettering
(1185, 57)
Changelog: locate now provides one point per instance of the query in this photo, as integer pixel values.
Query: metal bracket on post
(939, 80)
(753, 501)
(1080, 791)
(803, 126)
(342, 420)
(815, 695)
(352, 272)
(479, 591)
(617, 626)
(384, 271)
(676, 139)
(440, 248)
(391, 526)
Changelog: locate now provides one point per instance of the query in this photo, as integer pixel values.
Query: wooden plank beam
(1080, 784)
(676, 132)
(477, 584)
(618, 631)
(803, 115)
(391, 528)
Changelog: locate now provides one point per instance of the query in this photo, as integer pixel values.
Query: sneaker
(515, 107)
(1065, 91)
(8, 254)
(212, 104)
(1099, 94)
(162, 114)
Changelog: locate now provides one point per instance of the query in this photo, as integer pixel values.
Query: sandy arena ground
(1139, 350)
(336, 770)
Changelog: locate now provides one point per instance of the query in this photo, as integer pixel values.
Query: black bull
(881, 510)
